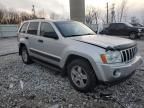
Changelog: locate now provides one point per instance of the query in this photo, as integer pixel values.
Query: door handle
(26, 37)
(41, 41)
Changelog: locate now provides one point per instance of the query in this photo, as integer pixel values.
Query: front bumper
(125, 70)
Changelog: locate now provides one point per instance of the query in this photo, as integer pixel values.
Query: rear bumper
(124, 71)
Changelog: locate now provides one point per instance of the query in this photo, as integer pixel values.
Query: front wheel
(81, 75)
(132, 36)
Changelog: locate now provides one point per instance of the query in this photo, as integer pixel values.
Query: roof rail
(37, 18)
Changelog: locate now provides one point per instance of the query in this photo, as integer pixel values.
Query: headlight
(111, 57)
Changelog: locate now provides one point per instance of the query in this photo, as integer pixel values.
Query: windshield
(71, 29)
(128, 24)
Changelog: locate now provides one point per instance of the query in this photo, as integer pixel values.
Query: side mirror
(52, 35)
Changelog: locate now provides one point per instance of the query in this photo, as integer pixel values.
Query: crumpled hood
(106, 41)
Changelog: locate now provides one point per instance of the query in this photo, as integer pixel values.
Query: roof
(121, 23)
(47, 20)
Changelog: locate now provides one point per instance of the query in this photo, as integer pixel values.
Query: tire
(25, 56)
(87, 75)
(132, 36)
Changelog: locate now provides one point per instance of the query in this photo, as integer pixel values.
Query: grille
(128, 54)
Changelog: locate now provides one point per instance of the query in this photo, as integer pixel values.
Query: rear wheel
(25, 56)
(81, 75)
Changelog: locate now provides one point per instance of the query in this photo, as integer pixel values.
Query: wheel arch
(135, 32)
(20, 48)
(72, 57)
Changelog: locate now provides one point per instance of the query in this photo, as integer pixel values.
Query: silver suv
(74, 48)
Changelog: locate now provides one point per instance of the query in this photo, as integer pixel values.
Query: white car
(74, 48)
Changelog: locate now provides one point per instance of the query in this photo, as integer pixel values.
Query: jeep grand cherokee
(71, 46)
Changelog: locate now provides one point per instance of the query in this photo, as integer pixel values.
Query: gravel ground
(35, 86)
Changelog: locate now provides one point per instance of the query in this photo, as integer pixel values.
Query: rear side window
(24, 28)
(120, 26)
(33, 28)
(113, 26)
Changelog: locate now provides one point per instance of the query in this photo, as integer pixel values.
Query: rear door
(121, 29)
(33, 38)
(112, 30)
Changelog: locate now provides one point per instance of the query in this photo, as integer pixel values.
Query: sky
(61, 7)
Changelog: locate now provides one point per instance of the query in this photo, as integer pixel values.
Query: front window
(47, 30)
(71, 29)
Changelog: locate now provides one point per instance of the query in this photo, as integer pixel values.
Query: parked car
(75, 49)
(123, 29)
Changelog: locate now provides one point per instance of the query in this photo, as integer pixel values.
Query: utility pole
(33, 11)
(43, 13)
(77, 10)
(113, 13)
(107, 13)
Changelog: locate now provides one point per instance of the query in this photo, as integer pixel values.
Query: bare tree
(1, 12)
(4, 19)
(54, 16)
(1, 15)
(12, 16)
(41, 14)
(93, 15)
(122, 10)
(25, 16)
(135, 20)
(89, 15)
(103, 20)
